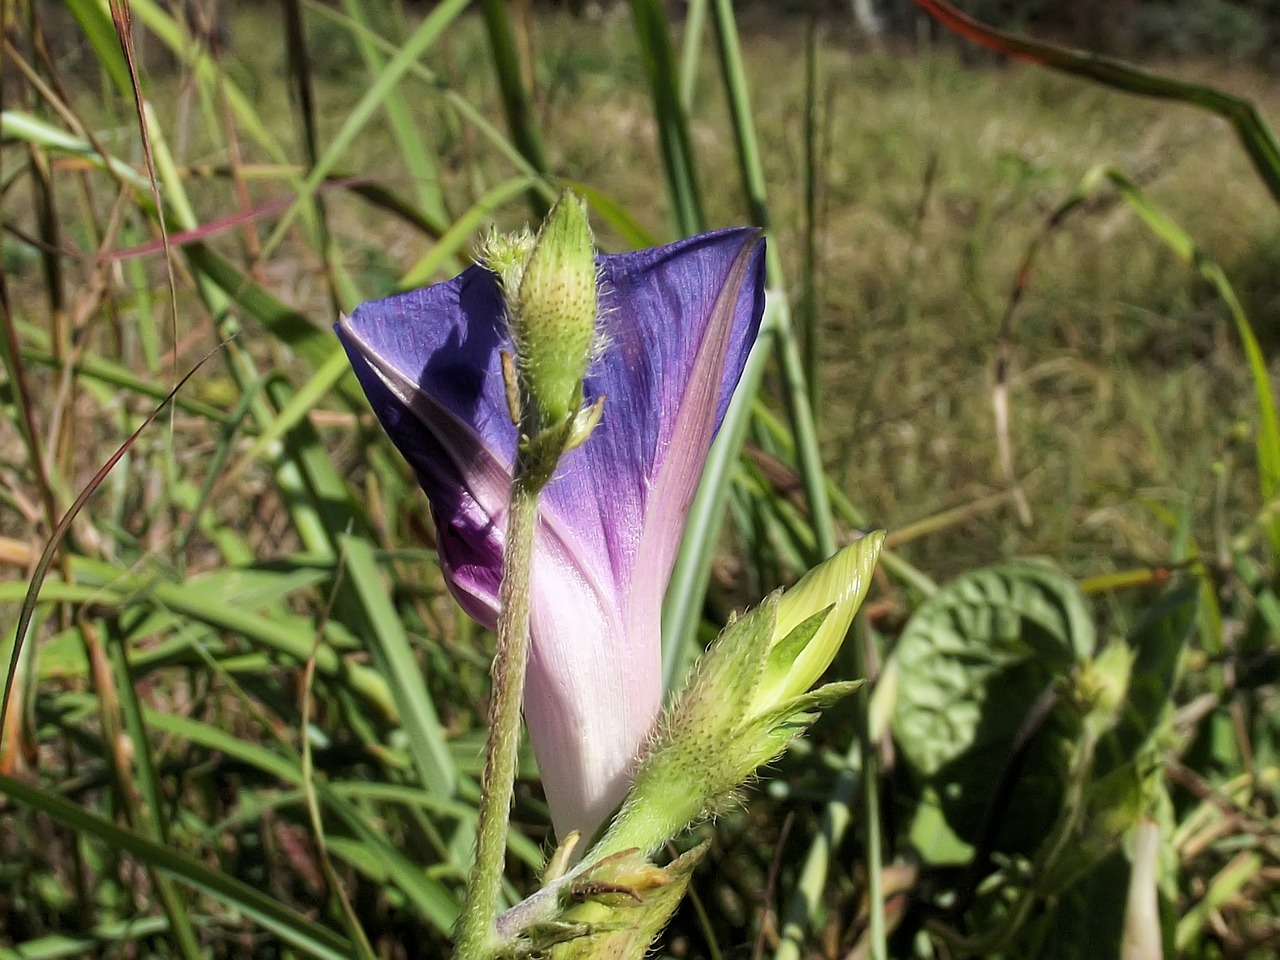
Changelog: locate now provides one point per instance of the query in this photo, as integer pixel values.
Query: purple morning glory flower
(678, 322)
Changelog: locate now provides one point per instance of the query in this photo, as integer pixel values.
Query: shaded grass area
(1131, 406)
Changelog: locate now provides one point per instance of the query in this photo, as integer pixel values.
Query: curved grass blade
(464, 108)
(805, 432)
(428, 32)
(14, 124)
(1181, 243)
(394, 655)
(1185, 248)
(614, 214)
(60, 532)
(1258, 140)
(309, 937)
(421, 162)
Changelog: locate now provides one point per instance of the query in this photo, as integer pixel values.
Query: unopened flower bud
(804, 641)
(747, 699)
(551, 303)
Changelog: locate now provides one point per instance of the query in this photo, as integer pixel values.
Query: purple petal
(679, 322)
(466, 481)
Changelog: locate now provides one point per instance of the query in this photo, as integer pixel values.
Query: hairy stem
(477, 935)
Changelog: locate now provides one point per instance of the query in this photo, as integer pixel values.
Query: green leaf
(654, 39)
(972, 663)
(57, 945)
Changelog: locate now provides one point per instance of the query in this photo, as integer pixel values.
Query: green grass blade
(293, 928)
(151, 820)
(94, 367)
(654, 39)
(1181, 243)
(16, 125)
(804, 429)
(418, 159)
(729, 47)
(287, 639)
(434, 901)
(296, 410)
(428, 32)
(515, 96)
(695, 28)
(207, 71)
(394, 655)
(439, 86)
(617, 216)
(752, 170)
(1258, 140)
(463, 229)
(101, 34)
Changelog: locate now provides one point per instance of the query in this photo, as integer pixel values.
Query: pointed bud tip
(839, 584)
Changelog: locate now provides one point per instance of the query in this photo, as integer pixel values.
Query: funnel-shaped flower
(678, 322)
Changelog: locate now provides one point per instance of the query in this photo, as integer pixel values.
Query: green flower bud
(551, 305)
(748, 698)
(806, 636)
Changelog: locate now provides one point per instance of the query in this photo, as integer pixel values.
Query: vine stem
(477, 934)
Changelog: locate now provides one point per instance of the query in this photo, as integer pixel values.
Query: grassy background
(1132, 424)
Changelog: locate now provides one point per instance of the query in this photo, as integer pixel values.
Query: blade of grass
(294, 412)
(438, 85)
(93, 366)
(603, 205)
(337, 892)
(355, 119)
(419, 160)
(59, 534)
(395, 658)
(436, 903)
(1258, 140)
(195, 57)
(812, 472)
(515, 96)
(654, 40)
(151, 821)
(293, 928)
(298, 67)
(463, 229)
(695, 28)
(752, 170)
(288, 638)
(16, 125)
(808, 308)
(1181, 243)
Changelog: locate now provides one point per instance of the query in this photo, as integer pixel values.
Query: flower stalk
(477, 937)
